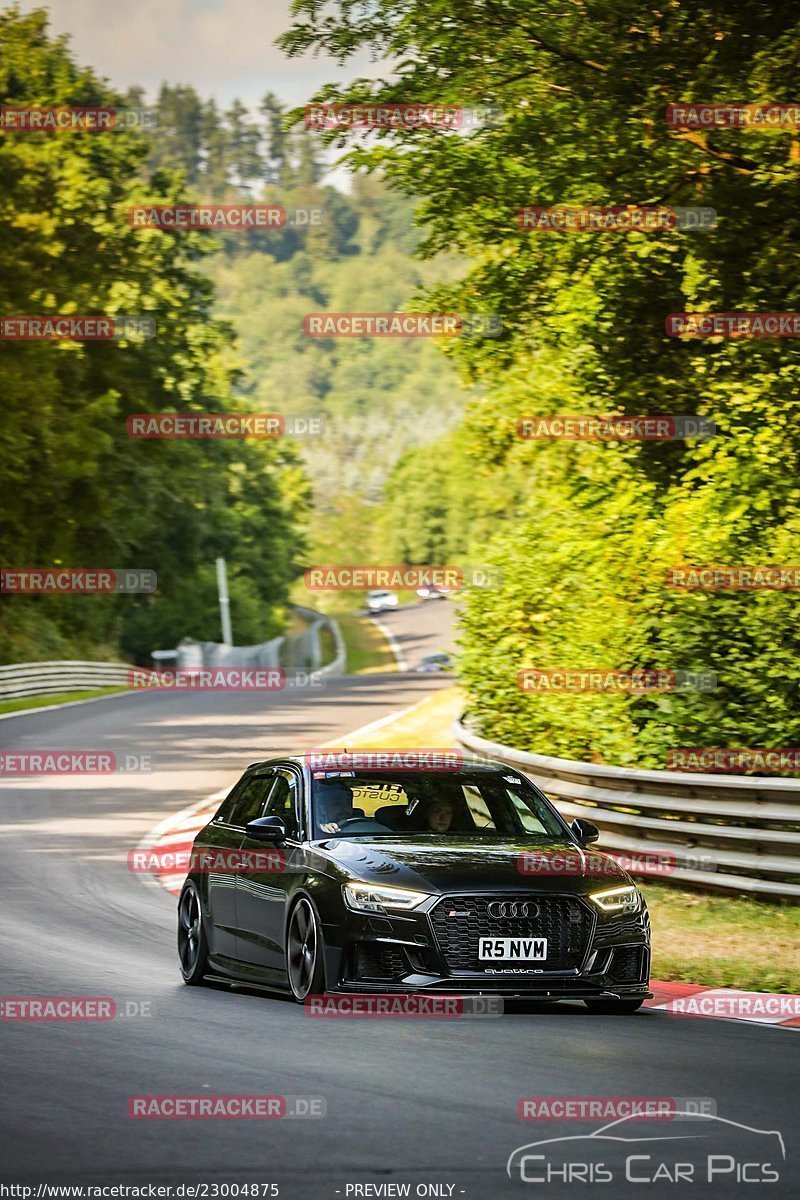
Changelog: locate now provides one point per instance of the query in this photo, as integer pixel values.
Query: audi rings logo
(500, 909)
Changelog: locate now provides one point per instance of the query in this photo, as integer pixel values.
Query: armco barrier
(50, 678)
(318, 622)
(737, 833)
(296, 652)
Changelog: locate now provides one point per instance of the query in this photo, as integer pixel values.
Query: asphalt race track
(417, 1101)
(420, 629)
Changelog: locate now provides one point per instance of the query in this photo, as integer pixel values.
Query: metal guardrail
(293, 652)
(317, 622)
(737, 833)
(49, 678)
(338, 665)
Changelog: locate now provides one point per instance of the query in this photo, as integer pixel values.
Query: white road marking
(402, 664)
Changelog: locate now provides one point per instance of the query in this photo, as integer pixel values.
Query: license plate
(512, 949)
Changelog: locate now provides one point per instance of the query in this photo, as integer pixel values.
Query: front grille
(626, 964)
(375, 960)
(459, 921)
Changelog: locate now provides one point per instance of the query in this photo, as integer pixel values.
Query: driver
(439, 815)
(334, 805)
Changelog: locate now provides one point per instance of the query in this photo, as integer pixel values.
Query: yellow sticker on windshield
(385, 793)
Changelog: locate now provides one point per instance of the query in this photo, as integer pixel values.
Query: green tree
(76, 489)
(582, 94)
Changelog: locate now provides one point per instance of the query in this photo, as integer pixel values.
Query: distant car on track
(435, 662)
(429, 591)
(409, 880)
(379, 601)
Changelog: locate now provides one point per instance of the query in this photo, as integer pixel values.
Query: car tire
(610, 1007)
(305, 953)
(192, 943)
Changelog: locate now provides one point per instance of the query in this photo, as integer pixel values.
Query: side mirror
(584, 831)
(266, 829)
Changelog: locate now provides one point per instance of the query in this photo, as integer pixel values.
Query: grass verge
(724, 941)
(425, 724)
(368, 651)
(7, 706)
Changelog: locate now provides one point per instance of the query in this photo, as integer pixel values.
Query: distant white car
(380, 600)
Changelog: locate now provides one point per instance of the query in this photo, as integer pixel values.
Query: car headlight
(618, 900)
(366, 897)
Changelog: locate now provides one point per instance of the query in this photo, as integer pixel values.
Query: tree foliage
(77, 491)
(583, 532)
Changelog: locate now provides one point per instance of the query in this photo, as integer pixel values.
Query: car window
(282, 802)
(249, 800)
(223, 813)
(528, 818)
(479, 809)
(382, 803)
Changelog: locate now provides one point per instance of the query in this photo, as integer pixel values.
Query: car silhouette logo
(614, 1131)
(519, 909)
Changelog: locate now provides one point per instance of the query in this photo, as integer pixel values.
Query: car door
(262, 894)
(222, 840)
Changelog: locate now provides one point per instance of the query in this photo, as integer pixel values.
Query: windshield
(385, 803)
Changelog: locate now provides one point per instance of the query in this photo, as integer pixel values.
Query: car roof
(301, 760)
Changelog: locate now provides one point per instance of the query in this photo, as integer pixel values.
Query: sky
(224, 48)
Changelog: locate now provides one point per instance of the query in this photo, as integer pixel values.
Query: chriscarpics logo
(720, 1157)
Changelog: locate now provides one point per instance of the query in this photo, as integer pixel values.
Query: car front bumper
(405, 953)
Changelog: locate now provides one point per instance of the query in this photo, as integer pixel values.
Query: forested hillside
(228, 311)
(379, 397)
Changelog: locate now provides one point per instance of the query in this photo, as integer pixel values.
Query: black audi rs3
(451, 879)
